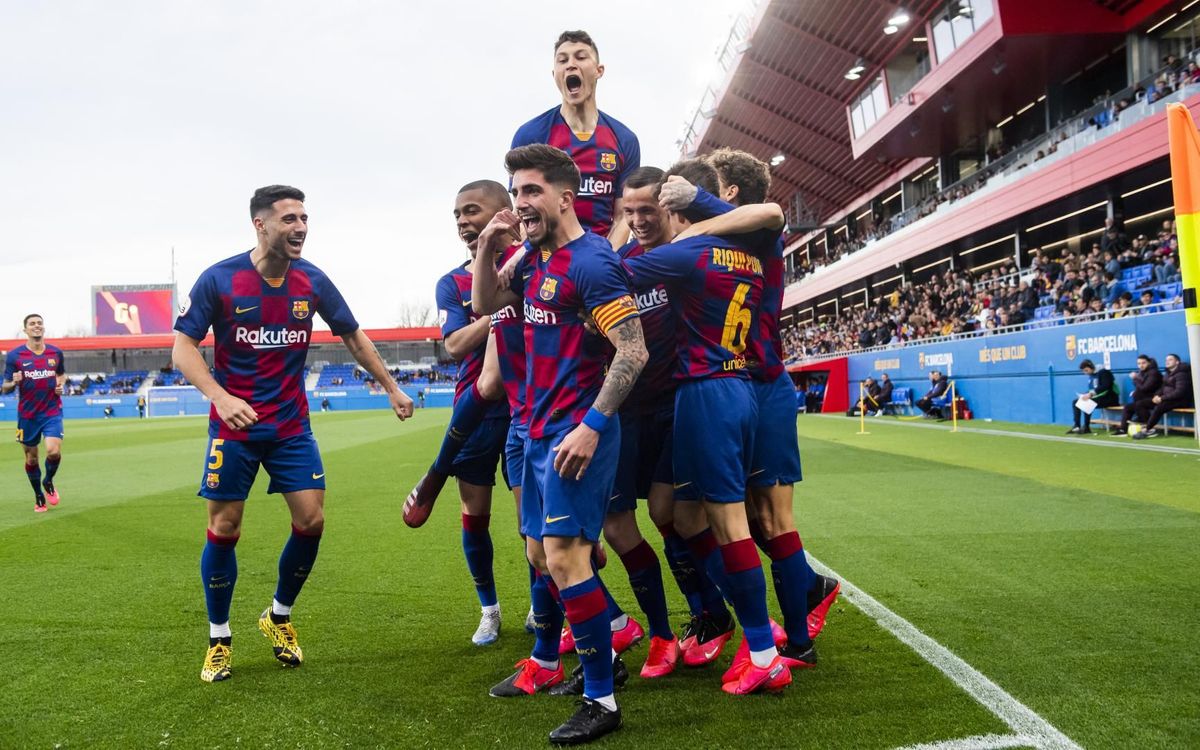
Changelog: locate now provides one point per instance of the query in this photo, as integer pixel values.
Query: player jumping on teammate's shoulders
(604, 150)
(804, 596)
(36, 370)
(715, 285)
(260, 306)
(466, 334)
(573, 391)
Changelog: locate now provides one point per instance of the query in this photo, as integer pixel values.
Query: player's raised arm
(233, 411)
(575, 452)
(364, 352)
(741, 220)
(487, 293)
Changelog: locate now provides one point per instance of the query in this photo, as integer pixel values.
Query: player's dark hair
(1087, 364)
(579, 37)
(27, 317)
(1145, 357)
(644, 177)
(554, 164)
(698, 172)
(751, 175)
(265, 197)
(1176, 356)
(491, 189)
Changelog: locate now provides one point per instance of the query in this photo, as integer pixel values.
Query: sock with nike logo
(477, 547)
(588, 614)
(295, 563)
(466, 417)
(747, 587)
(792, 578)
(645, 577)
(218, 571)
(547, 619)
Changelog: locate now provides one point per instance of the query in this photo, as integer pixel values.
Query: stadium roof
(788, 95)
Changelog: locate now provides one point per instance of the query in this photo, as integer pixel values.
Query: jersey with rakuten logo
(261, 332)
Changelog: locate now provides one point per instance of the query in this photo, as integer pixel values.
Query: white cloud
(132, 128)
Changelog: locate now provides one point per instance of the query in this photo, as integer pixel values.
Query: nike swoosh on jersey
(467, 303)
(318, 476)
(556, 519)
(240, 310)
(681, 486)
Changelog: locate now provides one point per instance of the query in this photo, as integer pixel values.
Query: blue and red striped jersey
(715, 287)
(39, 378)
(261, 330)
(767, 345)
(604, 160)
(509, 329)
(655, 387)
(453, 296)
(564, 363)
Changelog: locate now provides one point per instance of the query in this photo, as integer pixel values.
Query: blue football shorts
(556, 506)
(715, 422)
(646, 440)
(476, 462)
(293, 464)
(31, 431)
(776, 447)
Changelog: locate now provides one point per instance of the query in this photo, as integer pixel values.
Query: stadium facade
(911, 139)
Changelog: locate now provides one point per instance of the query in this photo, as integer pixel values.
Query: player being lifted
(36, 369)
(605, 152)
(259, 305)
(466, 334)
(715, 286)
(574, 441)
(804, 597)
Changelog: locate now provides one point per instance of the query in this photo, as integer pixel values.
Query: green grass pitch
(1065, 572)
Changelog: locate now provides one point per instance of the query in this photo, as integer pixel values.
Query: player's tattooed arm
(627, 364)
(233, 411)
(364, 352)
(488, 294)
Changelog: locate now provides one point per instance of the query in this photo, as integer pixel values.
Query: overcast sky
(132, 128)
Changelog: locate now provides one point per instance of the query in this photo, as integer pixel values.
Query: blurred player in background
(36, 370)
(260, 306)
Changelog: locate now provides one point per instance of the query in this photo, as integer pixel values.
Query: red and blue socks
(645, 577)
(747, 589)
(465, 418)
(218, 572)
(792, 577)
(295, 563)
(547, 620)
(477, 547)
(34, 472)
(714, 589)
(587, 611)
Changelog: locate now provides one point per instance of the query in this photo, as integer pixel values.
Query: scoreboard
(132, 309)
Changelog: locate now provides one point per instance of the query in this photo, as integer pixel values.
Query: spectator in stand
(1147, 381)
(1146, 303)
(1101, 388)
(1176, 393)
(937, 389)
(1113, 240)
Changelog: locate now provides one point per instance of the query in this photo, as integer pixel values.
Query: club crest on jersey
(549, 288)
(52, 362)
(608, 161)
(300, 309)
(212, 480)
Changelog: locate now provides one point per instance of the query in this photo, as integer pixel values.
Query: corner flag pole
(953, 407)
(1185, 183)
(862, 411)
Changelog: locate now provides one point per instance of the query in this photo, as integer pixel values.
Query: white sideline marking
(1103, 443)
(978, 742)
(1031, 727)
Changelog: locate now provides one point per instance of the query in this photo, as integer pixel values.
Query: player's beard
(549, 229)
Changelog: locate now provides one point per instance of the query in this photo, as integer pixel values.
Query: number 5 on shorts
(214, 453)
(737, 321)
(20, 435)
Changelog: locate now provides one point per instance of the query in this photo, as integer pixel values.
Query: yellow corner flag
(1185, 183)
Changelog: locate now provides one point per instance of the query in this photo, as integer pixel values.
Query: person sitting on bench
(1146, 382)
(937, 390)
(1102, 389)
(1176, 393)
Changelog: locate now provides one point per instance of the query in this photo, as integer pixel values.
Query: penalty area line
(1022, 720)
